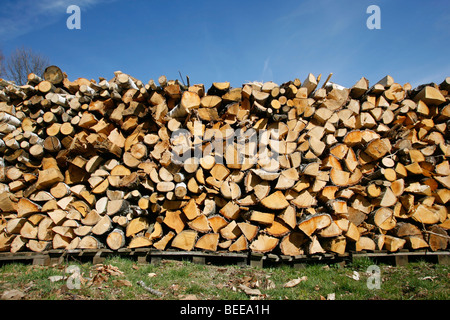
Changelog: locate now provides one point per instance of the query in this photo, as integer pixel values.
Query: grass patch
(117, 278)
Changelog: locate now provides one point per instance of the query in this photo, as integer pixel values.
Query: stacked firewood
(297, 168)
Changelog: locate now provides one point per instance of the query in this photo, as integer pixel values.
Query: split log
(191, 210)
(310, 224)
(161, 244)
(208, 242)
(14, 225)
(174, 221)
(155, 231)
(264, 243)
(304, 200)
(18, 244)
(289, 216)
(315, 247)
(26, 207)
(61, 242)
(103, 226)
(91, 218)
(365, 244)
(248, 230)
(185, 240)
(276, 201)
(137, 225)
(350, 230)
(293, 243)
(117, 207)
(231, 231)
(277, 229)
(393, 244)
(29, 231)
(337, 245)
(217, 222)
(331, 231)
(139, 242)
(5, 242)
(430, 96)
(258, 217)
(200, 224)
(45, 229)
(425, 214)
(437, 238)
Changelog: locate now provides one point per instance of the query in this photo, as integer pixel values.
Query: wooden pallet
(33, 257)
(142, 255)
(403, 257)
(147, 255)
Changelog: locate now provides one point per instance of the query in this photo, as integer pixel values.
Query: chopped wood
(102, 226)
(174, 220)
(277, 229)
(200, 224)
(296, 167)
(231, 231)
(264, 243)
(292, 244)
(191, 210)
(137, 225)
(240, 244)
(217, 222)
(337, 245)
(230, 211)
(208, 242)
(185, 240)
(276, 201)
(384, 219)
(161, 244)
(315, 222)
(136, 242)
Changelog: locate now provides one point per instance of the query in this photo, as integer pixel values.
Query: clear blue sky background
(236, 41)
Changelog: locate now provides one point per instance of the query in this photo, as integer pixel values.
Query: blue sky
(236, 41)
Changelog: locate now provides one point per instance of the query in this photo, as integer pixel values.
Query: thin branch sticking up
(326, 81)
(181, 77)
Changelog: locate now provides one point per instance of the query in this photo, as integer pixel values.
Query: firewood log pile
(292, 169)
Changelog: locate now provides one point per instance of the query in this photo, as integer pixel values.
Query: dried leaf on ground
(294, 282)
(109, 269)
(355, 276)
(122, 282)
(428, 278)
(259, 297)
(56, 278)
(189, 297)
(270, 285)
(13, 294)
(249, 291)
(99, 279)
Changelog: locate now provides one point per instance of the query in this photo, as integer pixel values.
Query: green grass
(181, 279)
